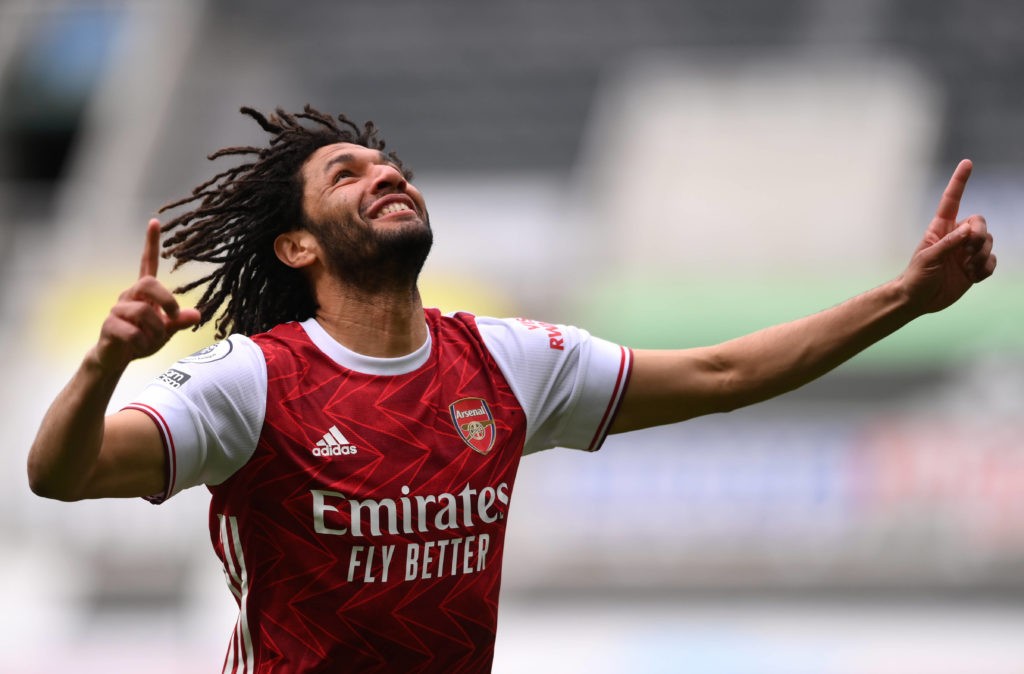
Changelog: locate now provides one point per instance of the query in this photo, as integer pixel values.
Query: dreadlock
(240, 211)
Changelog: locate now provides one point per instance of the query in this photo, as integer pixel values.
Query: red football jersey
(359, 504)
(365, 534)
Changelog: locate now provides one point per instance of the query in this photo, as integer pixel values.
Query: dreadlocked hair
(239, 213)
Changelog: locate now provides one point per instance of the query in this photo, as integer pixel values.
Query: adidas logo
(333, 444)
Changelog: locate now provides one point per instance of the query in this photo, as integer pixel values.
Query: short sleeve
(209, 408)
(569, 382)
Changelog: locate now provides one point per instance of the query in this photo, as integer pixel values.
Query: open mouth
(392, 206)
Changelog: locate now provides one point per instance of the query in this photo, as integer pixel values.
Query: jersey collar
(366, 364)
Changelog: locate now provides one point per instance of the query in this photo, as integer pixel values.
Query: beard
(372, 260)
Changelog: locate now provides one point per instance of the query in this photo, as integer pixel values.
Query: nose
(388, 178)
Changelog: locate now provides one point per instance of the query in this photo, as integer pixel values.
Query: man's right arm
(79, 451)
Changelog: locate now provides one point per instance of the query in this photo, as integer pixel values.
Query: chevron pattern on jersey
(371, 531)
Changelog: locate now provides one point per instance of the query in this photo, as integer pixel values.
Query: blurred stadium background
(661, 172)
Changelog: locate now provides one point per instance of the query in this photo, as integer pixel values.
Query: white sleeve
(568, 382)
(210, 409)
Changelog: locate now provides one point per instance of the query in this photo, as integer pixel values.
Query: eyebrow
(349, 157)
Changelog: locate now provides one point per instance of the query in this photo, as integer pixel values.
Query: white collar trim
(366, 364)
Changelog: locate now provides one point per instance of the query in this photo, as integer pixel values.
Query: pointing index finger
(151, 250)
(949, 204)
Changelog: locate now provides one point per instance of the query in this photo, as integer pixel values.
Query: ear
(297, 248)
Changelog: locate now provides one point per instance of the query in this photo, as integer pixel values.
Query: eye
(342, 174)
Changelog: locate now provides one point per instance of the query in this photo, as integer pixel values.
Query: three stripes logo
(333, 444)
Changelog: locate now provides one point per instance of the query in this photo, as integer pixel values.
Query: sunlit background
(660, 172)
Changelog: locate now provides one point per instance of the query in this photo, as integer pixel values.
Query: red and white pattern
(618, 390)
(359, 505)
(387, 559)
(171, 465)
(239, 657)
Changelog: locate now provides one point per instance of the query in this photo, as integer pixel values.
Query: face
(370, 221)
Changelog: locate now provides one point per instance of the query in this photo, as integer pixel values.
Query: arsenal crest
(474, 422)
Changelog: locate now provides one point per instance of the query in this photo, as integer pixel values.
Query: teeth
(394, 207)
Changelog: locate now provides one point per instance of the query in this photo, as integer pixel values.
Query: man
(361, 451)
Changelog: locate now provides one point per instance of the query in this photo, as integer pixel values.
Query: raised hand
(145, 316)
(952, 256)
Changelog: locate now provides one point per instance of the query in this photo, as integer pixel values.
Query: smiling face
(350, 180)
(369, 219)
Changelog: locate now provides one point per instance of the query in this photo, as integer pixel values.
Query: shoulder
(551, 335)
(512, 335)
(235, 362)
(235, 350)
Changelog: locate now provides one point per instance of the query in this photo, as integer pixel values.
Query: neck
(382, 324)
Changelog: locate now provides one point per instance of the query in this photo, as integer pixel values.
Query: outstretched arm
(81, 453)
(673, 385)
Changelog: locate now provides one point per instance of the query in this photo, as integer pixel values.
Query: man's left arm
(667, 386)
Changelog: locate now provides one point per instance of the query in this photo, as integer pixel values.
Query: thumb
(185, 318)
(948, 243)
